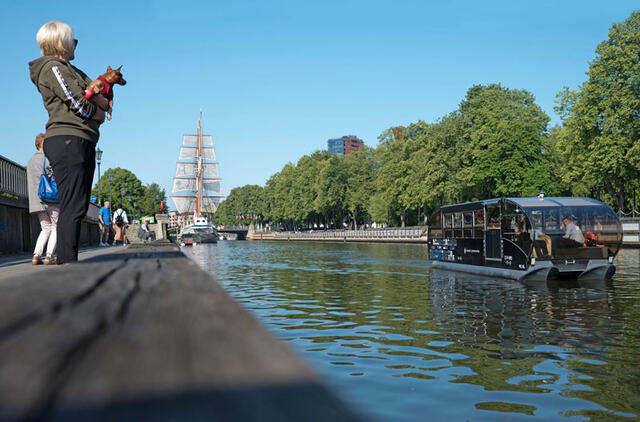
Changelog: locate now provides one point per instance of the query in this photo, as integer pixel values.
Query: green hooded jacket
(62, 88)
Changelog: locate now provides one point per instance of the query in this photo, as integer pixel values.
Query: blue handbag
(48, 190)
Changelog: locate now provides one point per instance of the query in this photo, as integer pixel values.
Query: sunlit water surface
(400, 341)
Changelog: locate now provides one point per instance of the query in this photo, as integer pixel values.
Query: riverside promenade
(387, 235)
(142, 333)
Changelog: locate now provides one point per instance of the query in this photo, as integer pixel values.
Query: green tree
(123, 181)
(243, 202)
(393, 176)
(503, 134)
(149, 204)
(331, 191)
(360, 172)
(601, 145)
(435, 164)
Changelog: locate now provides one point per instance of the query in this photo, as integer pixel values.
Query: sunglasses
(75, 43)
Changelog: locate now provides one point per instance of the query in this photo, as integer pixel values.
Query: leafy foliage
(600, 143)
(495, 144)
(242, 202)
(126, 189)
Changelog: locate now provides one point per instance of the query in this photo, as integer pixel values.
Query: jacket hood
(36, 66)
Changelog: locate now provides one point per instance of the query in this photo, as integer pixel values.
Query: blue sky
(276, 79)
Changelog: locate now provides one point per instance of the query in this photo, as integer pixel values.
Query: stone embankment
(388, 235)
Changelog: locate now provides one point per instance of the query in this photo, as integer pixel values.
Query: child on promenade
(47, 213)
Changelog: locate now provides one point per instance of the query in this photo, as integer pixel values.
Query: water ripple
(399, 340)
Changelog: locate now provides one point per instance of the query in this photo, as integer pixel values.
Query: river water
(400, 341)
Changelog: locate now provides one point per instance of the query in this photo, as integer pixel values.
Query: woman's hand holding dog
(103, 104)
(101, 101)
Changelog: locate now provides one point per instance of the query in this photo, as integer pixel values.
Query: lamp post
(122, 192)
(98, 160)
(110, 182)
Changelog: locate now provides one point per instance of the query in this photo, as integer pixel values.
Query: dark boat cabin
(570, 236)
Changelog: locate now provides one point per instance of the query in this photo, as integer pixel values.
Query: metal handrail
(633, 213)
(13, 178)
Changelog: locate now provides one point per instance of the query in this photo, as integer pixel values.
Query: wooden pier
(142, 333)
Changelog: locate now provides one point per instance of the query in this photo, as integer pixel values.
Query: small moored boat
(527, 238)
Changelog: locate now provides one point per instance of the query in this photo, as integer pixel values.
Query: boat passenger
(541, 244)
(573, 237)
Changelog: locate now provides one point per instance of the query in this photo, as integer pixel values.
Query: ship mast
(199, 167)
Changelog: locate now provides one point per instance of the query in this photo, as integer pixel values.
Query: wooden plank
(145, 334)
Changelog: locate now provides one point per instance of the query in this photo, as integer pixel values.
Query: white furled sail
(196, 185)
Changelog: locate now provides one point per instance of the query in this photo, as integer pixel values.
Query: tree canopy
(497, 143)
(600, 139)
(126, 189)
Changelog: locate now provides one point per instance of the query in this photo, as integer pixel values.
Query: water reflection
(405, 342)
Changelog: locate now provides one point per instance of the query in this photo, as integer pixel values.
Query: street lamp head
(98, 155)
(110, 177)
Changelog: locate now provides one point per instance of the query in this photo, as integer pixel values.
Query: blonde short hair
(39, 141)
(55, 38)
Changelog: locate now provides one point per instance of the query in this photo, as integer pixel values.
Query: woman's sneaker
(49, 260)
(36, 260)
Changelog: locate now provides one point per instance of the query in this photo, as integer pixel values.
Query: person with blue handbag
(72, 131)
(40, 175)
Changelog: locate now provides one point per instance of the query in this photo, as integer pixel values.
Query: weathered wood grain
(144, 334)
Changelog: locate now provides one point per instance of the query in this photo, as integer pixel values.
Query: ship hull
(191, 235)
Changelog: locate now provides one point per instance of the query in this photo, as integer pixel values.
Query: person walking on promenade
(71, 132)
(120, 222)
(47, 213)
(104, 218)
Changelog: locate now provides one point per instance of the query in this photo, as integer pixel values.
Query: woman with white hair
(71, 132)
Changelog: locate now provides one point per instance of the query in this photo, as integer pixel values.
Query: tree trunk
(402, 217)
(355, 222)
(621, 196)
(425, 219)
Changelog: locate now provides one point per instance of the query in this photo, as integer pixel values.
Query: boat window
(435, 225)
(467, 222)
(457, 224)
(478, 223)
(516, 227)
(593, 227)
(448, 225)
(493, 218)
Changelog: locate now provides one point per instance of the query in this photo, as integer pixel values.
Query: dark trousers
(73, 160)
(104, 233)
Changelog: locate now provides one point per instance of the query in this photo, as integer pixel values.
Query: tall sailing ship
(196, 188)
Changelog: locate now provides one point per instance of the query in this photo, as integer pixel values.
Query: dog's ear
(118, 69)
(109, 69)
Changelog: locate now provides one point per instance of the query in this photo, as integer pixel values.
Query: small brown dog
(104, 85)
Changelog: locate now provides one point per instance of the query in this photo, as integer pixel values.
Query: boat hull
(595, 269)
(199, 235)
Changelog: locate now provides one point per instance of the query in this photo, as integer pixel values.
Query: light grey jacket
(34, 170)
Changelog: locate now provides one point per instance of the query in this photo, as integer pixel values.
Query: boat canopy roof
(533, 203)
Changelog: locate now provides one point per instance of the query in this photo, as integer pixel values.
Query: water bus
(534, 238)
